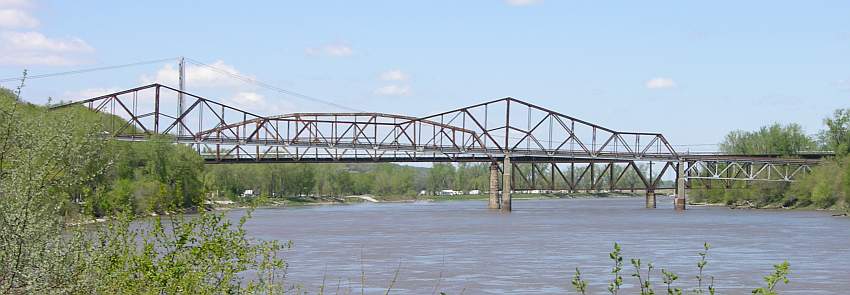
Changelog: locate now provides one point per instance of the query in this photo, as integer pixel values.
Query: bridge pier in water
(506, 184)
(650, 199)
(494, 186)
(680, 202)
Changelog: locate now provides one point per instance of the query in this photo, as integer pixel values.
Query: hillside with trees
(57, 165)
(828, 186)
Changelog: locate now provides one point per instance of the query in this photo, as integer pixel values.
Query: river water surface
(463, 247)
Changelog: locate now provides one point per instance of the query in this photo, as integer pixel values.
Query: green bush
(207, 254)
(704, 284)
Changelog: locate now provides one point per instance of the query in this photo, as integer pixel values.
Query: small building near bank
(448, 192)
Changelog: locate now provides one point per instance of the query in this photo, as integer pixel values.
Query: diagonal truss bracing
(563, 152)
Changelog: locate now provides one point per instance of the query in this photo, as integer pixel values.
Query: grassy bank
(826, 188)
(312, 201)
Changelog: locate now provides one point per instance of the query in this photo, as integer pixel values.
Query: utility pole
(182, 87)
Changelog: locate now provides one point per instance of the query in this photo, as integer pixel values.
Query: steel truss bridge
(543, 149)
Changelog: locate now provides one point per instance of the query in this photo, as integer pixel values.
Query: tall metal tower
(182, 87)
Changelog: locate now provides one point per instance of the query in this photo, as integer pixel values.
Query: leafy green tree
(43, 157)
(49, 158)
(199, 255)
(774, 139)
(301, 180)
(362, 183)
(441, 176)
(836, 137)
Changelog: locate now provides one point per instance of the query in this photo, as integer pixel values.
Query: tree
(49, 158)
(774, 139)
(836, 137)
(440, 177)
(43, 156)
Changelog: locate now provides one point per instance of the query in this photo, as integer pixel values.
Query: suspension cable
(271, 87)
(29, 77)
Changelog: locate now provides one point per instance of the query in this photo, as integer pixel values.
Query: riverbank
(749, 205)
(264, 202)
(292, 201)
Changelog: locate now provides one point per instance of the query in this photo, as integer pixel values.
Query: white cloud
(333, 50)
(394, 75)
(660, 83)
(257, 103)
(15, 3)
(197, 76)
(248, 98)
(221, 87)
(393, 90)
(16, 18)
(39, 42)
(522, 2)
(34, 48)
(27, 59)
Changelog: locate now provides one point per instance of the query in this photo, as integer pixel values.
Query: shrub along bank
(828, 186)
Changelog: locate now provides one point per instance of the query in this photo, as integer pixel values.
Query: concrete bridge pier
(506, 184)
(494, 186)
(681, 197)
(650, 199)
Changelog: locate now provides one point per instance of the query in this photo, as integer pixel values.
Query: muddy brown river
(462, 247)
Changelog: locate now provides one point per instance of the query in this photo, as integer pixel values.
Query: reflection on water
(535, 249)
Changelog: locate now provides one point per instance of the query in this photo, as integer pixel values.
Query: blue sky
(691, 70)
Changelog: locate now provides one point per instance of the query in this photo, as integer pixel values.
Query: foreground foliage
(47, 159)
(142, 177)
(704, 283)
(206, 254)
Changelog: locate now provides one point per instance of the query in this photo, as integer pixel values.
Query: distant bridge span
(545, 149)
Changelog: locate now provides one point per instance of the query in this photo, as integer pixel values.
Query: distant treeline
(828, 186)
(385, 180)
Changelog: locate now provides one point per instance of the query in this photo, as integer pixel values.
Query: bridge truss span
(340, 137)
(482, 132)
(537, 147)
(515, 127)
(703, 171)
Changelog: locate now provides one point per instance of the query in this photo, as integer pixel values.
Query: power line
(271, 87)
(216, 69)
(29, 77)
